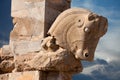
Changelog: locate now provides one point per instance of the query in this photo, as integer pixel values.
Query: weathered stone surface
(35, 75)
(6, 63)
(7, 66)
(31, 75)
(28, 18)
(23, 47)
(37, 15)
(72, 37)
(21, 60)
(59, 60)
(25, 28)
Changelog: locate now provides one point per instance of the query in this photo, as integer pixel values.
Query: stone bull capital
(72, 37)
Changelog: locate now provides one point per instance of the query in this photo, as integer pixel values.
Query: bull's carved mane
(72, 37)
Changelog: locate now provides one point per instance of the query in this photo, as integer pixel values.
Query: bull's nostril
(86, 54)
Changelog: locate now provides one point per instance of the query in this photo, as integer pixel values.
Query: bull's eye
(86, 29)
(86, 55)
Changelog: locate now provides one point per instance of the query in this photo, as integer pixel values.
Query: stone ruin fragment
(48, 42)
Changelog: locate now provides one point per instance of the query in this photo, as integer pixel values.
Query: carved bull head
(79, 30)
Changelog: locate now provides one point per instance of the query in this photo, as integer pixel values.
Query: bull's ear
(103, 26)
(92, 16)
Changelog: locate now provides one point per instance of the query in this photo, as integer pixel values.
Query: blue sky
(106, 65)
(5, 21)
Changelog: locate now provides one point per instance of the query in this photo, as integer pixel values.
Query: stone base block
(29, 75)
(36, 75)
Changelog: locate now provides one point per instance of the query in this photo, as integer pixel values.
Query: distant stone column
(32, 19)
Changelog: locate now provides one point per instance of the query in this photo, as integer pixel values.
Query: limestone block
(37, 14)
(28, 8)
(30, 75)
(23, 47)
(36, 75)
(26, 28)
(30, 22)
(33, 18)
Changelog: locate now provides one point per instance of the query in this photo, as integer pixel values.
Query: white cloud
(101, 70)
(88, 70)
(109, 46)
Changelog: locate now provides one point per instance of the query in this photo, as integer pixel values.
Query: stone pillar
(32, 19)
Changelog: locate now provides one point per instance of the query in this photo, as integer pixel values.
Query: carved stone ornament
(78, 31)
